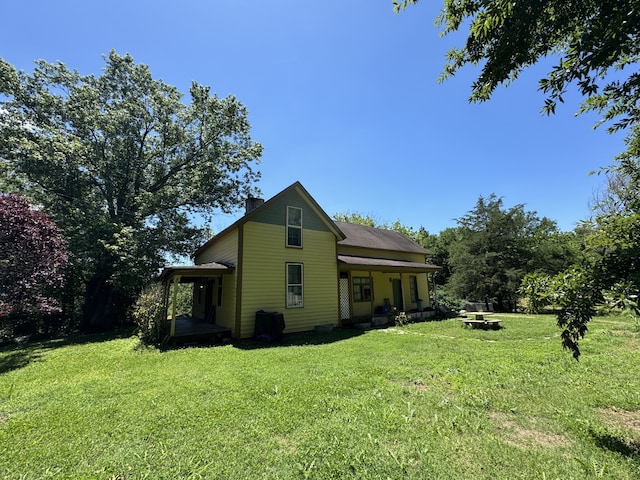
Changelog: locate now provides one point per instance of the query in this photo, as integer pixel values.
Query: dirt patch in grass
(420, 386)
(285, 445)
(625, 419)
(529, 435)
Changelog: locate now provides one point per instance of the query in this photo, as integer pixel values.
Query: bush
(535, 288)
(448, 299)
(149, 315)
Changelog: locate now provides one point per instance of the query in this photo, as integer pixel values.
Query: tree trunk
(98, 305)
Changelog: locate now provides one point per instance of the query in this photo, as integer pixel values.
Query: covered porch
(372, 288)
(206, 319)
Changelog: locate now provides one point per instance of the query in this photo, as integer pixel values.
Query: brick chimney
(252, 203)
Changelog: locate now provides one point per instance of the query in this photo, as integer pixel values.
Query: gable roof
(377, 238)
(297, 187)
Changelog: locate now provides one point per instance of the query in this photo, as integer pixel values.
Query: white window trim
(301, 285)
(293, 226)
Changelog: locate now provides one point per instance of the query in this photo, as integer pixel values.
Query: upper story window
(294, 227)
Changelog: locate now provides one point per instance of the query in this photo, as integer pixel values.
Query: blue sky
(344, 98)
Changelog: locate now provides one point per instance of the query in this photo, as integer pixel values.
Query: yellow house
(287, 255)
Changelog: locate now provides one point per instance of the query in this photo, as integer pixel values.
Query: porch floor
(189, 329)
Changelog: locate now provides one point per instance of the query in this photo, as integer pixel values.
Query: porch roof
(201, 270)
(385, 265)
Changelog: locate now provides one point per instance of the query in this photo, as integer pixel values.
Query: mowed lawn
(427, 400)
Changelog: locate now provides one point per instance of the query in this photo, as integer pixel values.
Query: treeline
(489, 252)
(523, 262)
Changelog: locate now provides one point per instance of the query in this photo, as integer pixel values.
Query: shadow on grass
(84, 338)
(301, 339)
(289, 340)
(17, 359)
(623, 446)
(18, 354)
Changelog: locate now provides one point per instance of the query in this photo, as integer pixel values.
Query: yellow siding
(224, 250)
(226, 314)
(423, 290)
(264, 277)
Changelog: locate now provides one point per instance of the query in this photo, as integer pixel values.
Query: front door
(396, 284)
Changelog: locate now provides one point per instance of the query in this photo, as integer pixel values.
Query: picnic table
(479, 320)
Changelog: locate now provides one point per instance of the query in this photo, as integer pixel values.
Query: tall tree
(122, 164)
(359, 219)
(496, 247)
(33, 256)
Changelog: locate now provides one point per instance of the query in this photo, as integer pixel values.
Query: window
(294, 227)
(295, 294)
(413, 285)
(361, 289)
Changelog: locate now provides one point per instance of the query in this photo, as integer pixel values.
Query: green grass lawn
(428, 400)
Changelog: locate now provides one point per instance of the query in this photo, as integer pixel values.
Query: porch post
(435, 289)
(165, 299)
(176, 281)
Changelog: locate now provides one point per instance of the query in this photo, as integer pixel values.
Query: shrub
(33, 258)
(536, 290)
(149, 315)
(447, 298)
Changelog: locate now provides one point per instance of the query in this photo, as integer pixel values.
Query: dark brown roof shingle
(377, 238)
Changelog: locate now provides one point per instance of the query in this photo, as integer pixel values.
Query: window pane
(361, 289)
(294, 216)
(294, 236)
(357, 293)
(294, 274)
(366, 293)
(294, 296)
